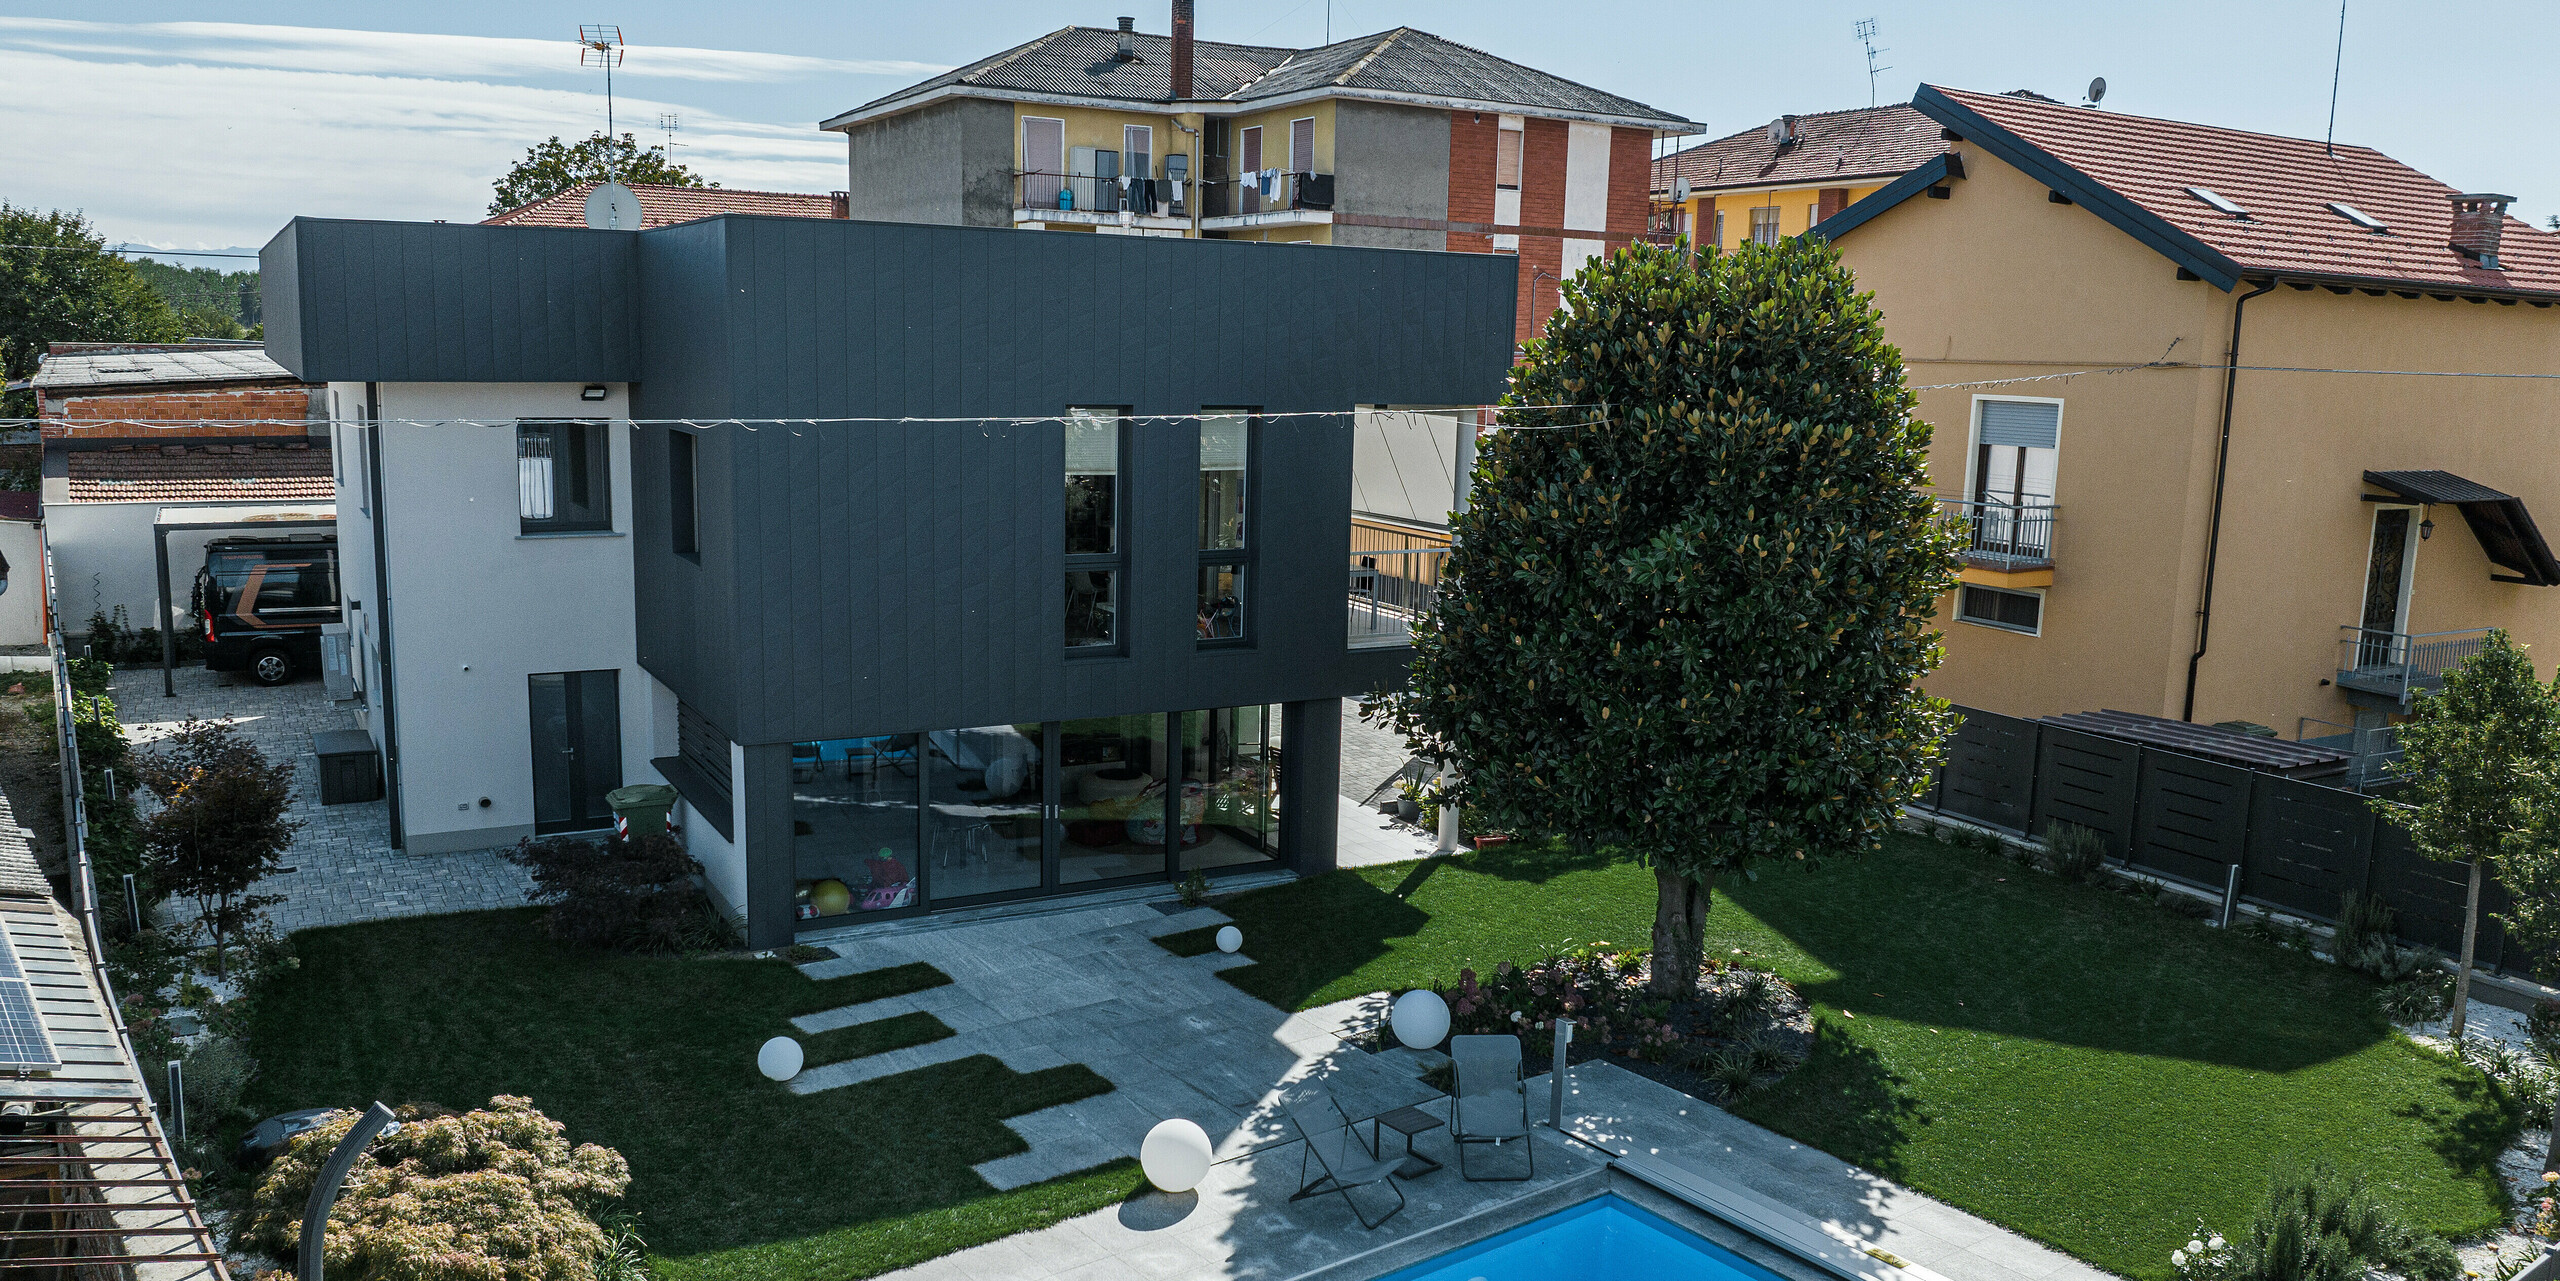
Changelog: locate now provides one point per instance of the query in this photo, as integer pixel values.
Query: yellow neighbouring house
(2305, 537)
(1783, 177)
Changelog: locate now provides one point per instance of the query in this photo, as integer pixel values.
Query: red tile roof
(2286, 186)
(240, 473)
(1829, 147)
(664, 206)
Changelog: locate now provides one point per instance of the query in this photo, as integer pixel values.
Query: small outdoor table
(1407, 1121)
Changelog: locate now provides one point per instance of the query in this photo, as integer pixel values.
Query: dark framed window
(563, 475)
(682, 524)
(1096, 557)
(1993, 607)
(1227, 439)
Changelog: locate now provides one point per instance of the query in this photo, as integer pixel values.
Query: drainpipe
(2221, 473)
(382, 614)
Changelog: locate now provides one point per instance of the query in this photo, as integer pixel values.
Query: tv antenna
(600, 45)
(669, 123)
(1867, 37)
(2338, 64)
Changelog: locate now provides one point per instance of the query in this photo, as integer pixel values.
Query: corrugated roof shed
(66, 372)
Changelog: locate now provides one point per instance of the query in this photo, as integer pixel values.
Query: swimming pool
(1603, 1239)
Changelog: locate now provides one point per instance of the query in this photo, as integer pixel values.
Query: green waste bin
(641, 808)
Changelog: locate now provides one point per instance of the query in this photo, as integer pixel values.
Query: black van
(262, 602)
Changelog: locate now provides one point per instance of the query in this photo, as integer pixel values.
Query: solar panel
(24, 1047)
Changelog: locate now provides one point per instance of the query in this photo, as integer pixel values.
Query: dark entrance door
(577, 749)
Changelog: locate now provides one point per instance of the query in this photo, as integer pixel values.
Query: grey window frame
(1116, 561)
(1964, 591)
(1241, 559)
(600, 438)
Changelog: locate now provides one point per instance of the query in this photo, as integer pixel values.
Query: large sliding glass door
(901, 823)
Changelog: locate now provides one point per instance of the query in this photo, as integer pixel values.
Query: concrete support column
(765, 842)
(1310, 783)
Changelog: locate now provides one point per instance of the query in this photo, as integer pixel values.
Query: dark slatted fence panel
(1990, 770)
(2092, 781)
(2192, 821)
(2308, 846)
(2427, 895)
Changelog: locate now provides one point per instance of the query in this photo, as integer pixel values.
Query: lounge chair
(1492, 1104)
(1346, 1162)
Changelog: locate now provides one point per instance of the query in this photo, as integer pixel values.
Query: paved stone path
(1371, 754)
(344, 869)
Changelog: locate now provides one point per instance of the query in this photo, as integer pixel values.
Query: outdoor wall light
(2426, 528)
(592, 391)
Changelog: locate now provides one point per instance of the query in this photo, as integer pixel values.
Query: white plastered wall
(477, 606)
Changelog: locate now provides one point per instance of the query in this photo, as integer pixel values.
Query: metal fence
(2301, 848)
(2004, 535)
(1389, 591)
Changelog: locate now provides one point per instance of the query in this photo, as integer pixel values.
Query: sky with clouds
(208, 124)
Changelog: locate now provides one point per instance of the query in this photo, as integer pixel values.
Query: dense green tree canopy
(1688, 603)
(552, 167)
(58, 283)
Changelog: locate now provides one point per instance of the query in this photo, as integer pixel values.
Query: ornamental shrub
(492, 1195)
(1690, 597)
(631, 895)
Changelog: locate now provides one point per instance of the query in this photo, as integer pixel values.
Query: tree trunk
(1679, 929)
(2462, 976)
(2551, 1151)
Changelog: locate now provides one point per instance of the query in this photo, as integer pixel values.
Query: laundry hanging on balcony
(2505, 529)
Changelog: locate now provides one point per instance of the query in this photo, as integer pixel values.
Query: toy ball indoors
(831, 897)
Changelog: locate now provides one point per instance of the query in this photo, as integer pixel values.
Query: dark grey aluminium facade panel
(885, 577)
(950, 163)
(1390, 161)
(439, 302)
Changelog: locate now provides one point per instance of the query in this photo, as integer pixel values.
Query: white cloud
(253, 125)
(188, 157)
(405, 53)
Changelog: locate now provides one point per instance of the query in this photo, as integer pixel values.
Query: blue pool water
(1604, 1239)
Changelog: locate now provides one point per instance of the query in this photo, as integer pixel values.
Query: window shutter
(1044, 160)
(2026, 424)
(1302, 145)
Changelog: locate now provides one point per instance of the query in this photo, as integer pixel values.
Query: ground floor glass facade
(908, 822)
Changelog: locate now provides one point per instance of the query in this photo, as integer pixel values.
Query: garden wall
(2301, 847)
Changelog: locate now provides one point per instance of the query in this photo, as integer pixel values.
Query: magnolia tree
(2478, 757)
(1692, 591)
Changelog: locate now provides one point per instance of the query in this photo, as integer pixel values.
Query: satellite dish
(2097, 90)
(613, 207)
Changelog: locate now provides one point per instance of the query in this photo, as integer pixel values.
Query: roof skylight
(2357, 216)
(2218, 201)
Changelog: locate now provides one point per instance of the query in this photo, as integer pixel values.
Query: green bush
(90, 675)
(2318, 1225)
(492, 1195)
(2362, 918)
(2542, 1024)
(217, 1073)
(2074, 851)
(97, 732)
(2422, 997)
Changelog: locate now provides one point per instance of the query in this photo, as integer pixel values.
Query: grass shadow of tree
(2471, 1126)
(1844, 1100)
(1538, 859)
(1359, 917)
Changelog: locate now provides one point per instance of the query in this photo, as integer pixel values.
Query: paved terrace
(1087, 984)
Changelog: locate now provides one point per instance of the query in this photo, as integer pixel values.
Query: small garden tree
(1692, 589)
(221, 825)
(493, 1195)
(2477, 757)
(552, 167)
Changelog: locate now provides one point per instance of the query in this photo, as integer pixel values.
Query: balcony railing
(1284, 192)
(2402, 665)
(1390, 590)
(2004, 535)
(1039, 190)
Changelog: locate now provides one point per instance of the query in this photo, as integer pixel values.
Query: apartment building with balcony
(2243, 428)
(1781, 178)
(919, 601)
(1398, 140)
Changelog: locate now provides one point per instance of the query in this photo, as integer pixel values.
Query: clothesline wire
(979, 420)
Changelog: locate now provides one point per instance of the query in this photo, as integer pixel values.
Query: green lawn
(2078, 1065)
(732, 1176)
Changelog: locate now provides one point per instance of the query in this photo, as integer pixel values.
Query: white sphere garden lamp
(1175, 1155)
(1420, 1019)
(1230, 939)
(779, 1059)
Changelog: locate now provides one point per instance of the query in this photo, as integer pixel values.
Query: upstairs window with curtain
(1226, 452)
(1096, 558)
(2015, 453)
(563, 476)
(1764, 225)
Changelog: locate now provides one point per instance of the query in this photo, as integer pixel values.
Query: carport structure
(175, 519)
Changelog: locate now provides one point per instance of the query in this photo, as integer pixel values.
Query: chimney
(1128, 47)
(1181, 48)
(2478, 221)
(839, 204)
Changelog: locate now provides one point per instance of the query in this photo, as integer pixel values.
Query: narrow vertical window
(562, 477)
(683, 525)
(1302, 145)
(1095, 556)
(1226, 452)
(1506, 160)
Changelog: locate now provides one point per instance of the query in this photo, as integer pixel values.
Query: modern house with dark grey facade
(933, 565)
